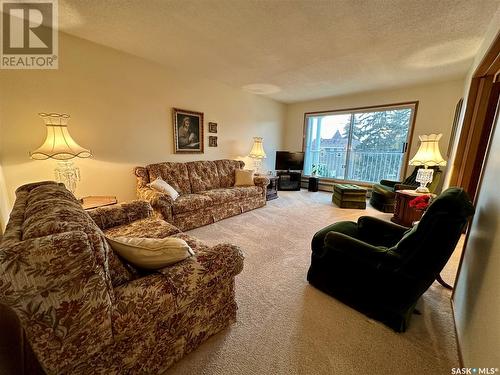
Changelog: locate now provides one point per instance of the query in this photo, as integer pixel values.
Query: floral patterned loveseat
(83, 310)
(206, 188)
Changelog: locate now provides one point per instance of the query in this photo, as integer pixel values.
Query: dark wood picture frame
(212, 127)
(212, 141)
(188, 131)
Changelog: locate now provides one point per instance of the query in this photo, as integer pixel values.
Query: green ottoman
(349, 196)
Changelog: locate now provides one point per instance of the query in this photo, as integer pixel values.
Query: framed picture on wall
(212, 127)
(212, 141)
(456, 119)
(188, 131)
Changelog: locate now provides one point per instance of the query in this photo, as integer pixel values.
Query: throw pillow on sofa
(243, 177)
(163, 187)
(151, 253)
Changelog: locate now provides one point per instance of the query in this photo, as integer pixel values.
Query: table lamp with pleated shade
(428, 155)
(257, 153)
(61, 146)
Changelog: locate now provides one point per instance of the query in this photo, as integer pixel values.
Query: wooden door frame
(477, 123)
(475, 135)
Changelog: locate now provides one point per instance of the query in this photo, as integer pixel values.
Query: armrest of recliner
(379, 232)
(161, 202)
(349, 228)
(355, 248)
(405, 187)
(389, 183)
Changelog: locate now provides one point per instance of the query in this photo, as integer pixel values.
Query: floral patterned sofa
(206, 188)
(83, 310)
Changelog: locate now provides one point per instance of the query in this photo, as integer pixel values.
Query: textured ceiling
(303, 49)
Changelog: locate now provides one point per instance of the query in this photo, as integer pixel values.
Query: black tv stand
(289, 180)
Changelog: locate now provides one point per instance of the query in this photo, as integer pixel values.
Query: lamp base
(67, 173)
(257, 165)
(422, 189)
(424, 176)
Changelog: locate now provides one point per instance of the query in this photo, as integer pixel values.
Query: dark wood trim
(491, 60)
(413, 119)
(353, 109)
(466, 240)
(476, 126)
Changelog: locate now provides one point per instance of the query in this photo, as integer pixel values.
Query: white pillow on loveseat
(164, 187)
(151, 253)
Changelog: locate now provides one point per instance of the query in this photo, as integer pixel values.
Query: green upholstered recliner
(381, 268)
(384, 194)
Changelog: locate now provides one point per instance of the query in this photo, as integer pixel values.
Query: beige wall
(477, 296)
(121, 109)
(435, 113)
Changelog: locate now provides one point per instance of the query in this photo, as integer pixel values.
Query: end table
(95, 201)
(403, 213)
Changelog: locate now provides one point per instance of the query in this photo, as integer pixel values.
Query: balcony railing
(366, 166)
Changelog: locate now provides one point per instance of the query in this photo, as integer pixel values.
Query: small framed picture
(212, 127)
(212, 141)
(188, 131)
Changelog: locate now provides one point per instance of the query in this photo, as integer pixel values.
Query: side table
(95, 201)
(403, 213)
(272, 188)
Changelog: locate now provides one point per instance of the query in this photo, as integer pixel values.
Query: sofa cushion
(219, 196)
(226, 168)
(146, 228)
(247, 191)
(203, 176)
(191, 202)
(175, 174)
(120, 214)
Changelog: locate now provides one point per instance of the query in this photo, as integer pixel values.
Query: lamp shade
(58, 142)
(428, 153)
(257, 151)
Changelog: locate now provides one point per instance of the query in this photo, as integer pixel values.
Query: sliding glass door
(361, 145)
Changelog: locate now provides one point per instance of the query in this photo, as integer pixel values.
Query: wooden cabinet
(403, 213)
(289, 181)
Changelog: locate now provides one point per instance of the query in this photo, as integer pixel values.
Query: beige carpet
(285, 326)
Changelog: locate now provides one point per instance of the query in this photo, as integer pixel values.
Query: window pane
(365, 146)
(377, 148)
(326, 145)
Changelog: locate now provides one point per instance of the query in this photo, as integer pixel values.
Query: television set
(289, 161)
